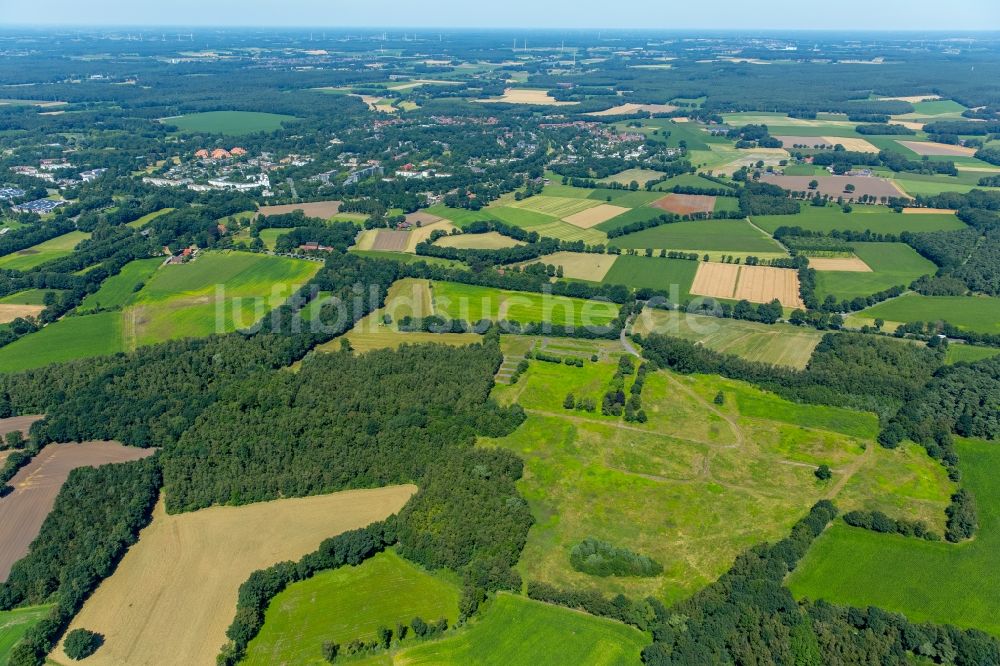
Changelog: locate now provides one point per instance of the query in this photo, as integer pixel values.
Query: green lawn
(976, 313)
(702, 235)
(234, 123)
(654, 273)
(60, 246)
(891, 263)
(927, 581)
(65, 340)
(118, 290)
(216, 293)
(15, 623)
(472, 303)
(779, 344)
(516, 631)
(347, 603)
(878, 219)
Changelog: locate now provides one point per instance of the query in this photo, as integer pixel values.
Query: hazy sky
(653, 14)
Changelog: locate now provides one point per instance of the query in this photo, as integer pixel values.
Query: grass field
(15, 623)
(878, 219)
(216, 293)
(546, 225)
(670, 275)
(149, 217)
(558, 207)
(460, 216)
(969, 353)
(976, 313)
(65, 340)
(118, 290)
(233, 123)
(472, 303)
(348, 603)
(174, 593)
(60, 246)
(29, 296)
(703, 235)
(638, 175)
(693, 487)
(779, 344)
(927, 581)
(515, 631)
(891, 263)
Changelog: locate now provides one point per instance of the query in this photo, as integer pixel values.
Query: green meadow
(118, 290)
(67, 339)
(472, 303)
(15, 623)
(877, 219)
(891, 263)
(29, 296)
(149, 217)
(654, 273)
(347, 603)
(975, 313)
(927, 581)
(60, 246)
(515, 631)
(699, 236)
(233, 123)
(968, 353)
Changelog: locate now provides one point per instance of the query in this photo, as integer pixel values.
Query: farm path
(849, 472)
(778, 242)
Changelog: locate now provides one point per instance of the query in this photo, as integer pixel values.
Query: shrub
(600, 558)
(81, 643)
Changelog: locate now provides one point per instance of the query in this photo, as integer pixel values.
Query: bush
(600, 558)
(823, 473)
(81, 643)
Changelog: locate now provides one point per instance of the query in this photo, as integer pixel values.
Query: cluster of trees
(767, 313)
(600, 558)
(844, 160)
(962, 516)
(884, 129)
(766, 199)
(642, 614)
(747, 616)
(879, 522)
(991, 155)
(97, 515)
(753, 136)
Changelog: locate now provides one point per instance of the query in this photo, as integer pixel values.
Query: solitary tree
(823, 473)
(813, 184)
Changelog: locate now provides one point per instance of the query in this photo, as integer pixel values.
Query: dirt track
(36, 486)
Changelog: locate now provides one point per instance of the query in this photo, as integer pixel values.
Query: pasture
(174, 593)
(974, 313)
(118, 290)
(65, 340)
(491, 240)
(671, 275)
(232, 123)
(347, 603)
(778, 344)
(149, 217)
(515, 631)
(891, 264)
(36, 255)
(877, 219)
(580, 265)
(701, 236)
(695, 485)
(472, 303)
(36, 486)
(218, 292)
(14, 624)
(892, 571)
(958, 353)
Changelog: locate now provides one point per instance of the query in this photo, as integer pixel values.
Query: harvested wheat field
(390, 240)
(11, 311)
(631, 107)
(912, 99)
(579, 265)
(591, 217)
(174, 592)
(37, 484)
(716, 280)
(847, 264)
(421, 217)
(934, 148)
(763, 284)
(323, 209)
(524, 96)
(929, 211)
(491, 240)
(834, 185)
(854, 145)
(682, 204)
(419, 235)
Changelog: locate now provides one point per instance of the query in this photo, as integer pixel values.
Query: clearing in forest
(36, 486)
(174, 593)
